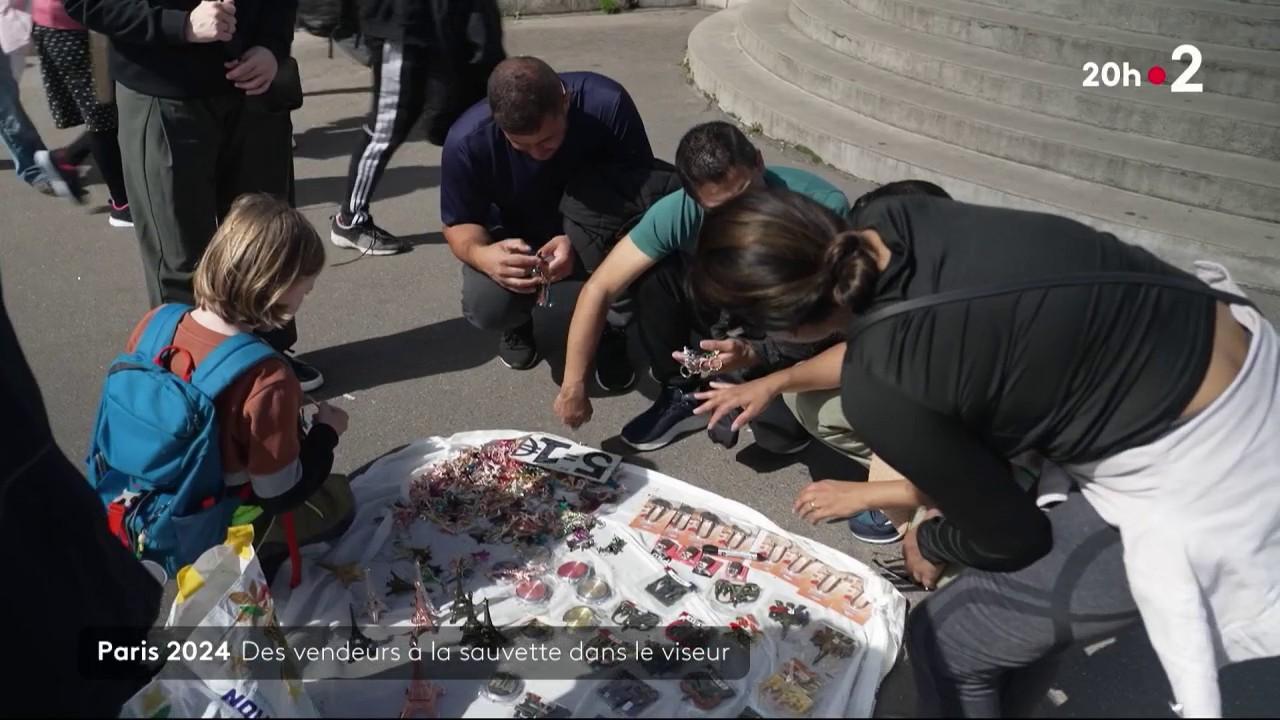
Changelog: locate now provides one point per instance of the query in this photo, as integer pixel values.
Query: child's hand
(334, 417)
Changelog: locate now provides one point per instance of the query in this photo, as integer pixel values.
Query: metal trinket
(627, 694)
(700, 363)
(689, 631)
(483, 634)
(533, 706)
(669, 588)
(789, 615)
(358, 640)
(735, 594)
(594, 590)
(504, 687)
(614, 547)
(793, 688)
(629, 616)
(580, 617)
(832, 642)
(607, 651)
(705, 688)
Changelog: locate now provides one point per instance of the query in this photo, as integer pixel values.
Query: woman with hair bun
(976, 334)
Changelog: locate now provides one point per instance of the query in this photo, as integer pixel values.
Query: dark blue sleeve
(632, 144)
(464, 196)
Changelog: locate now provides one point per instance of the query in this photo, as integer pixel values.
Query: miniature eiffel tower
(358, 639)
(424, 613)
(463, 605)
(421, 696)
(483, 634)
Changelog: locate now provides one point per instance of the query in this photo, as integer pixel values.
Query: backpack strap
(1176, 282)
(229, 361)
(161, 328)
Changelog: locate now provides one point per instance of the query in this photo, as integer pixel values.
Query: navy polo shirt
(481, 171)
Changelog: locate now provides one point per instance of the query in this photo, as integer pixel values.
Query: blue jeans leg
(16, 130)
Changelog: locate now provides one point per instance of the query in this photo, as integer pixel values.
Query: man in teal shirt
(716, 163)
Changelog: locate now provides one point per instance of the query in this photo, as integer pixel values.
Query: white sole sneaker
(342, 242)
(684, 427)
(113, 222)
(44, 159)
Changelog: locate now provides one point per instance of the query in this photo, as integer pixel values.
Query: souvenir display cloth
(453, 538)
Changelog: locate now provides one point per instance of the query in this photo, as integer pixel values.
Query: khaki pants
(821, 413)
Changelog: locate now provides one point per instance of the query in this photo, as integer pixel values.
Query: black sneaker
(517, 349)
(670, 417)
(64, 179)
(366, 237)
(120, 216)
(613, 366)
(308, 376)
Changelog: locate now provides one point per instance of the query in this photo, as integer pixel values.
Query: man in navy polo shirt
(506, 164)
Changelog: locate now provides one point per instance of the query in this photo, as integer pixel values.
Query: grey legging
(967, 636)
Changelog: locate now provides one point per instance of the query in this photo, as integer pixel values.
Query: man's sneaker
(873, 526)
(366, 237)
(670, 417)
(613, 366)
(517, 349)
(65, 180)
(120, 216)
(308, 376)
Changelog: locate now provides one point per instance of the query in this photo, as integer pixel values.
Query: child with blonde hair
(255, 274)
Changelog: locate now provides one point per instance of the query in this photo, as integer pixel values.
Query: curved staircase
(985, 98)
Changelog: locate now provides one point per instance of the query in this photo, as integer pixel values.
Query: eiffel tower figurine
(421, 696)
(463, 606)
(424, 614)
(358, 640)
(483, 634)
(397, 585)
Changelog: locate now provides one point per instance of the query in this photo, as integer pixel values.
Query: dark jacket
(68, 574)
(602, 204)
(150, 53)
(463, 39)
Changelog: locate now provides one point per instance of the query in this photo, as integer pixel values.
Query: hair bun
(853, 270)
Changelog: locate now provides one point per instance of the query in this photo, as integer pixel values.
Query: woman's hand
(753, 397)
(830, 500)
(918, 568)
(572, 405)
(734, 354)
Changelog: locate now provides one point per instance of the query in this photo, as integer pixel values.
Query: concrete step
(1211, 179)
(1225, 70)
(1210, 21)
(1222, 122)
(873, 150)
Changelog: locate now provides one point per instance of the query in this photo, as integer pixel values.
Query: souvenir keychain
(700, 363)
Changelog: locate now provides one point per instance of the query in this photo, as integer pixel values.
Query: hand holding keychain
(700, 363)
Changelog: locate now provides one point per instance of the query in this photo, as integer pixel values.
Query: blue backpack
(154, 458)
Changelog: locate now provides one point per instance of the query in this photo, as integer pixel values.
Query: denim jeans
(16, 130)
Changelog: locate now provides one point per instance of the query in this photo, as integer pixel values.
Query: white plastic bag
(222, 590)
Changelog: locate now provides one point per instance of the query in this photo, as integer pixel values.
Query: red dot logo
(1156, 75)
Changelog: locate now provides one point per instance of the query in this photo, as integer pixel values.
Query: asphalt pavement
(389, 336)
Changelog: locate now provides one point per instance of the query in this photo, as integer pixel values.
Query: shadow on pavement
(329, 141)
(395, 181)
(407, 355)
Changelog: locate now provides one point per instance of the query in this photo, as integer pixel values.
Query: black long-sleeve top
(150, 53)
(947, 394)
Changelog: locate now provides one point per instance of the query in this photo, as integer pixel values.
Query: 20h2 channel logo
(1112, 74)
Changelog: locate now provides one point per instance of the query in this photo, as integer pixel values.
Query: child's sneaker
(120, 216)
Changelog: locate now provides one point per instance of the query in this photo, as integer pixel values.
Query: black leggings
(964, 639)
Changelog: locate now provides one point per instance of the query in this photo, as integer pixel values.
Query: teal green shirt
(671, 225)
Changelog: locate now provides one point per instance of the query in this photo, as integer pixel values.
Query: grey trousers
(185, 161)
(965, 638)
